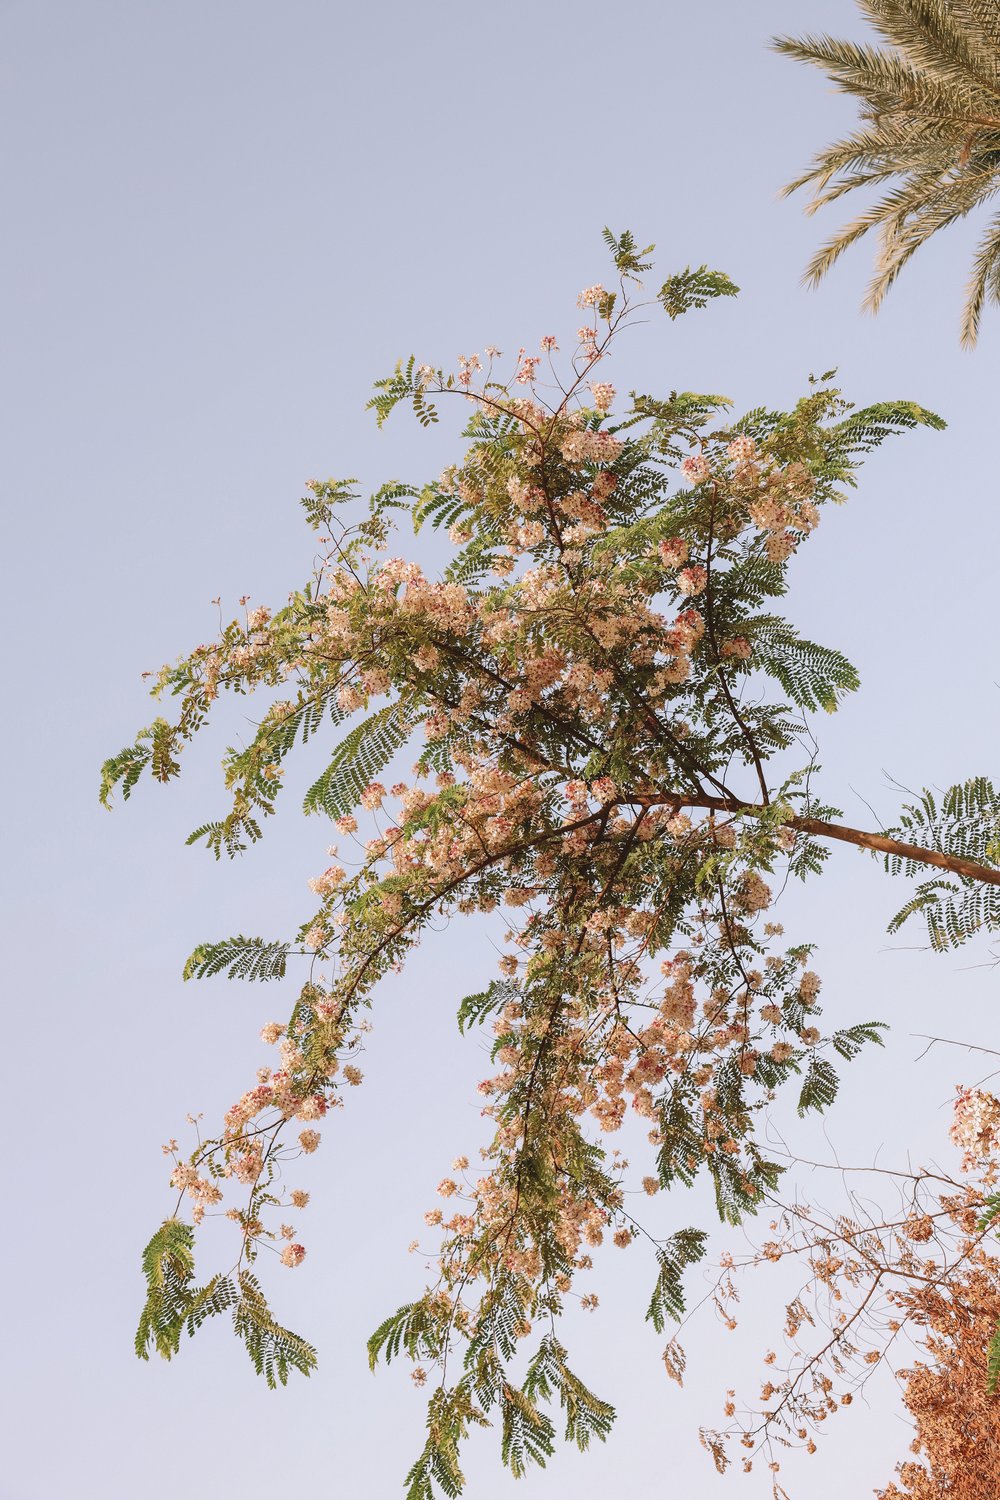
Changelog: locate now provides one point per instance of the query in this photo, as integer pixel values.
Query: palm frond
(934, 37)
(930, 107)
(984, 282)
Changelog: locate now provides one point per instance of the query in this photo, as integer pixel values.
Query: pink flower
(591, 296)
(976, 1126)
(742, 449)
(692, 580)
(673, 552)
(293, 1255)
(695, 469)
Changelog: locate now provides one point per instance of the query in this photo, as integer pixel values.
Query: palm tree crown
(929, 128)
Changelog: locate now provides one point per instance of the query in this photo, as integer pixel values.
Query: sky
(222, 222)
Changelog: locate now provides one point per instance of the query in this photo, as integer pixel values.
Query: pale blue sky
(222, 221)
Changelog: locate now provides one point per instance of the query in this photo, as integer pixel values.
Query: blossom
(309, 1140)
(692, 580)
(271, 1032)
(591, 296)
(293, 1255)
(742, 449)
(331, 879)
(976, 1126)
(372, 796)
(754, 894)
(673, 552)
(781, 546)
(603, 394)
(695, 468)
(313, 1107)
(809, 986)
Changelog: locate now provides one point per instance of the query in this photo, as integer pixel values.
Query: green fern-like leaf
(963, 821)
(694, 288)
(274, 1351)
(814, 677)
(629, 259)
(849, 1041)
(238, 958)
(125, 768)
(232, 834)
(410, 1330)
(168, 1266)
(357, 760)
(681, 1250)
(820, 1086)
(474, 1009)
(527, 1434)
(172, 1303)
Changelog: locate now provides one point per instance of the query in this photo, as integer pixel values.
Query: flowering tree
(906, 1262)
(611, 718)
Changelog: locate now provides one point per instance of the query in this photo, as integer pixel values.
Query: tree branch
(968, 869)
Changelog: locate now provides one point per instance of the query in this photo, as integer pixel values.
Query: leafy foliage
(681, 1250)
(691, 289)
(172, 1303)
(929, 134)
(965, 821)
(238, 958)
(814, 677)
(357, 760)
(474, 1009)
(274, 1351)
(612, 749)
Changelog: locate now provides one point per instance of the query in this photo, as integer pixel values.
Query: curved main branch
(968, 869)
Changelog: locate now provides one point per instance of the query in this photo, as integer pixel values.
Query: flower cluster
(595, 774)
